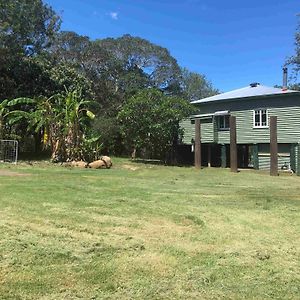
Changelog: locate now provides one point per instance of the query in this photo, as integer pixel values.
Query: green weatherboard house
(252, 106)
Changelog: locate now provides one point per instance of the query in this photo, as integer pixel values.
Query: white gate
(9, 151)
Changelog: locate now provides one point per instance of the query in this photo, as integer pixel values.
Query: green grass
(148, 232)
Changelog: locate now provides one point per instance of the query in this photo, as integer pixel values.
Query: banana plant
(8, 113)
(77, 116)
(61, 119)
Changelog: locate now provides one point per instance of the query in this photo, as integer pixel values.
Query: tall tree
(38, 61)
(154, 60)
(150, 120)
(92, 61)
(117, 69)
(27, 25)
(295, 59)
(196, 86)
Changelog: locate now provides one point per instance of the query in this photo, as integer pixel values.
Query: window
(223, 122)
(260, 118)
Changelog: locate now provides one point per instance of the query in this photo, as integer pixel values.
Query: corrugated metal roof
(246, 92)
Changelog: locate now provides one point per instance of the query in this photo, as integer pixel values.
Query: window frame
(224, 122)
(260, 110)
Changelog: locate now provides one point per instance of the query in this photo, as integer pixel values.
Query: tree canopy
(150, 120)
(40, 62)
(295, 59)
(27, 25)
(195, 86)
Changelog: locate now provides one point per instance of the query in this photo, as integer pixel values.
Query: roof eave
(294, 93)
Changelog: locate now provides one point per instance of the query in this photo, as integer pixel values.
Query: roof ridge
(246, 92)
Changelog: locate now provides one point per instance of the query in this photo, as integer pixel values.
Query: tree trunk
(133, 154)
(55, 151)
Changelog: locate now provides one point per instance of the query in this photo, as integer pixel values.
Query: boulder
(79, 164)
(97, 164)
(107, 161)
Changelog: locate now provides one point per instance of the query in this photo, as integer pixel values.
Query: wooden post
(233, 146)
(197, 144)
(273, 147)
(293, 156)
(223, 156)
(298, 159)
(209, 155)
(255, 157)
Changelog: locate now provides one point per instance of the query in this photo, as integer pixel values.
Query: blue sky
(232, 42)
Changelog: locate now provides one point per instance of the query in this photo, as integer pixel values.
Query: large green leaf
(21, 101)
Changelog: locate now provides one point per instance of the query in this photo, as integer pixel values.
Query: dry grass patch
(11, 173)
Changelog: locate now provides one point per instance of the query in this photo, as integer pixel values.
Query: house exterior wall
(286, 108)
(284, 155)
(207, 131)
(264, 162)
(188, 131)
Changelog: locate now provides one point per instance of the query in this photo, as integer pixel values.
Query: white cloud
(114, 15)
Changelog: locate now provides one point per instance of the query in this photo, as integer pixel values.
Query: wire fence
(8, 151)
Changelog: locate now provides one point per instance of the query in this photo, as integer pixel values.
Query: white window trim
(267, 118)
(225, 128)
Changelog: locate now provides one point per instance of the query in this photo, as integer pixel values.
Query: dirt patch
(11, 173)
(132, 168)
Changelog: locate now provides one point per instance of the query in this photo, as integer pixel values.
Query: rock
(107, 161)
(97, 164)
(103, 163)
(79, 164)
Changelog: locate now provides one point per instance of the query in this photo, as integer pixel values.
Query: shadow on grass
(159, 162)
(149, 161)
(34, 156)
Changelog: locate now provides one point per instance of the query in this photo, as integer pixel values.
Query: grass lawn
(147, 232)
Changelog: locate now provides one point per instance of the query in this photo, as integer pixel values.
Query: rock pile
(103, 163)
